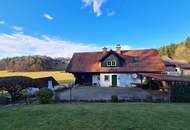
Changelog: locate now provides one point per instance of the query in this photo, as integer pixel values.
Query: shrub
(45, 95)
(14, 85)
(114, 98)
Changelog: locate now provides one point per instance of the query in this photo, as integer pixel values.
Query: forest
(179, 51)
(33, 63)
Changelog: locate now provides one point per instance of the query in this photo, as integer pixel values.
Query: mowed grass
(96, 116)
(61, 77)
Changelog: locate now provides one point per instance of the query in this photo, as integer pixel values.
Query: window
(106, 78)
(111, 63)
(98, 77)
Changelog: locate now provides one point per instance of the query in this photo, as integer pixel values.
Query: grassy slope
(59, 76)
(102, 116)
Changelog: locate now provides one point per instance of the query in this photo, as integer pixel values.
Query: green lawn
(96, 116)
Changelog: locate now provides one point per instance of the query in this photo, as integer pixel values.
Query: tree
(33, 63)
(187, 49)
(15, 85)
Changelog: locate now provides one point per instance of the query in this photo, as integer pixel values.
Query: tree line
(180, 51)
(33, 63)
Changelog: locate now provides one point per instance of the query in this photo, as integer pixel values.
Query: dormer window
(111, 63)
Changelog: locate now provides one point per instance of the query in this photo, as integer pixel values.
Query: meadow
(60, 76)
(96, 116)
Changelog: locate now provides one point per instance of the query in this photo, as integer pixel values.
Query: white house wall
(96, 80)
(186, 71)
(123, 79)
(104, 83)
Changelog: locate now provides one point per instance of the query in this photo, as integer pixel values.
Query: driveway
(100, 93)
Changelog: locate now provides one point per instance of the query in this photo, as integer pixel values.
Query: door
(50, 84)
(114, 80)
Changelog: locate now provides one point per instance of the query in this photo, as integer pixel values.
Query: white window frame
(111, 63)
(106, 80)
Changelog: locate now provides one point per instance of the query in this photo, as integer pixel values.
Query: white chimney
(118, 49)
(104, 50)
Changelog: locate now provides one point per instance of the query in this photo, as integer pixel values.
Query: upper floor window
(111, 63)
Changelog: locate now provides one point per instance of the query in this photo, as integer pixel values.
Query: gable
(108, 61)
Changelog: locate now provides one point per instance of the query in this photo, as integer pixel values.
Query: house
(44, 82)
(117, 67)
(176, 67)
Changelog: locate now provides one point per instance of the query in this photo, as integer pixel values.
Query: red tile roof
(180, 63)
(164, 77)
(148, 61)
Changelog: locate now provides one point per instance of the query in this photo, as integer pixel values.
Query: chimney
(104, 50)
(118, 49)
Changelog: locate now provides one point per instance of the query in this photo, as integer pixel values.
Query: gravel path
(94, 93)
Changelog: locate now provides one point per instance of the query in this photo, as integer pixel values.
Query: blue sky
(61, 27)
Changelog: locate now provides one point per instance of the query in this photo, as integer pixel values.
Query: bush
(15, 85)
(114, 98)
(45, 95)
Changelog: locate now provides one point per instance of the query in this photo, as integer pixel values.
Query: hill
(179, 51)
(33, 63)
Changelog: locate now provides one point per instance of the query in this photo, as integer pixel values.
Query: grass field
(61, 77)
(96, 116)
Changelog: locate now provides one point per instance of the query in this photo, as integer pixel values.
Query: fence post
(70, 94)
(169, 90)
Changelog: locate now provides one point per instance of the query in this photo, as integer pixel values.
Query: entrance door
(114, 80)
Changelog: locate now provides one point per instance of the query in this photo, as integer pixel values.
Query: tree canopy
(179, 51)
(33, 63)
(14, 85)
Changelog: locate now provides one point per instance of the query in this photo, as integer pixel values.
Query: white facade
(123, 79)
(174, 71)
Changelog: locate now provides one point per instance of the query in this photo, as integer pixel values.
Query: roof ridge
(114, 51)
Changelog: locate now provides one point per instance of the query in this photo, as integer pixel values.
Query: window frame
(113, 61)
(106, 78)
(110, 63)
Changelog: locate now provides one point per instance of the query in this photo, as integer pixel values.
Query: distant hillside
(180, 51)
(33, 63)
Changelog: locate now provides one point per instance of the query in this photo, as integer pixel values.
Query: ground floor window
(106, 78)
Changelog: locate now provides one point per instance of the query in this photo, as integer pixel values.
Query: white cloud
(22, 44)
(18, 28)
(47, 16)
(96, 5)
(111, 13)
(18, 44)
(2, 22)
